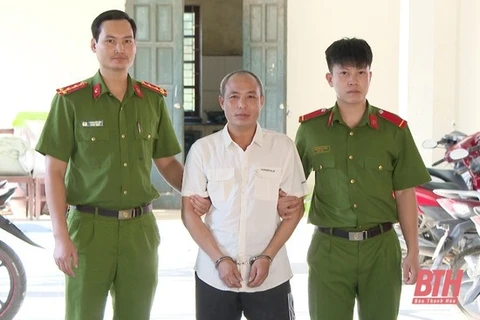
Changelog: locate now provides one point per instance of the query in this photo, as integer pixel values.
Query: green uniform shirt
(108, 144)
(356, 170)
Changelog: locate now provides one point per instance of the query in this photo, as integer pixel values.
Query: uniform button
(123, 136)
(355, 205)
(352, 180)
(321, 167)
(121, 108)
(124, 164)
(351, 133)
(93, 139)
(125, 192)
(149, 136)
(380, 167)
(350, 157)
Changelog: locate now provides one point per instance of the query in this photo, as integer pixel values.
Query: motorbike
(458, 175)
(433, 217)
(459, 231)
(13, 278)
(469, 261)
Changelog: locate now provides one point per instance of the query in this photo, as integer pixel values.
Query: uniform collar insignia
(137, 90)
(96, 90)
(373, 121)
(330, 118)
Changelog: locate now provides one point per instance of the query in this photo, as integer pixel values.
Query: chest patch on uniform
(97, 123)
(321, 149)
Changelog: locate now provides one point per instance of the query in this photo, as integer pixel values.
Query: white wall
(45, 45)
(431, 71)
(313, 25)
(468, 113)
(437, 62)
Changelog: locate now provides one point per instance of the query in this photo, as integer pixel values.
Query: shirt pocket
(326, 178)
(94, 149)
(378, 176)
(267, 183)
(145, 139)
(220, 184)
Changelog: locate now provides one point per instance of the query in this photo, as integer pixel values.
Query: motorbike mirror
(458, 154)
(429, 144)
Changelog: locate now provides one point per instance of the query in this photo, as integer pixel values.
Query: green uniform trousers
(341, 271)
(120, 256)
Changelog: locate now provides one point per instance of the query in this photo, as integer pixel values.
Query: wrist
(261, 256)
(223, 258)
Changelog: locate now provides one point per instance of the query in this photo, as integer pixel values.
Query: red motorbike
(463, 152)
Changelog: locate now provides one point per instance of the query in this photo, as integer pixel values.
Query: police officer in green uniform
(99, 141)
(366, 166)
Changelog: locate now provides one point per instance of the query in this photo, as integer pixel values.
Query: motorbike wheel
(459, 263)
(13, 282)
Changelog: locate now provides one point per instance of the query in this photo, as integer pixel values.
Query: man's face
(350, 83)
(116, 47)
(242, 102)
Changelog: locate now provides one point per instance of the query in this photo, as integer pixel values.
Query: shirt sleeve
(293, 180)
(301, 143)
(194, 177)
(167, 144)
(57, 138)
(409, 169)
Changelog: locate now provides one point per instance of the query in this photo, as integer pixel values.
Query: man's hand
(258, 272)
(287, 205)
(410, 268)
(65, 255)
(228, 272)
(200, 205)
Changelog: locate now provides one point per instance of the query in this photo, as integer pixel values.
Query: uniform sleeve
(167, 144)
(57, 138)
(301, 143)
(194, 177)
(293, 180)
(409, 169)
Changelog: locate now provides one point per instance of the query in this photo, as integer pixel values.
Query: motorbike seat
(448, 175)
(440, 185)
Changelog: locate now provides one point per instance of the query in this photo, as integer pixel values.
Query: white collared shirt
(243, 187)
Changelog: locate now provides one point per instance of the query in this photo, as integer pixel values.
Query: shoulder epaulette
(393, 118)
(313, 114)
(153, 87)
(71, 88)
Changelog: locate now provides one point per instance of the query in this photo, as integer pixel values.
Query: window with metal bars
(191, 61)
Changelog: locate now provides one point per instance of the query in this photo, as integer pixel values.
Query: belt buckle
(125, 214)
(358, 236)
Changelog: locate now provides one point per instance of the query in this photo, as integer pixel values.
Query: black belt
(119, 214)
(357, 235)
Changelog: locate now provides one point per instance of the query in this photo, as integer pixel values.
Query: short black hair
(231, 74)
(111, 15)
(349, 52)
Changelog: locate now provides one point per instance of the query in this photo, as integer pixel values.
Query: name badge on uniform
(97, 123)
(321, 149)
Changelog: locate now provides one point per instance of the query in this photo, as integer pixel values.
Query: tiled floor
(175, 293)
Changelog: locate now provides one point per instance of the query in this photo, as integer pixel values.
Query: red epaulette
(313, 114)
(71, 88)
(393, 118)
(153, 87)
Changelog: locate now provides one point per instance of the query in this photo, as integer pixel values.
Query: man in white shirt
(242, 264)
